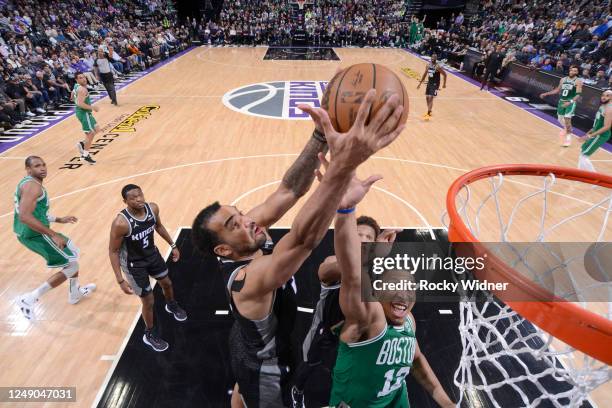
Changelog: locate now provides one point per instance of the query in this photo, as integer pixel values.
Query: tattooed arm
(296, 182)
(298, 179)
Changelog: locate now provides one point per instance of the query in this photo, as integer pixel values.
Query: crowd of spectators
(43, 45)
(549, 36)
(326, 23)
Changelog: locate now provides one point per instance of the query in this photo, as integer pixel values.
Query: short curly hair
(370, 222)
(203, 238)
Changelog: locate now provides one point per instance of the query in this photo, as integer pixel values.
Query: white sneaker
(26, 305)
(18, 126)
(40, 110)
(30, 114)
(568, 140)
(84, 291)
(26, 122)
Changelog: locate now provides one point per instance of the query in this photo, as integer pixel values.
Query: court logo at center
(277, 100)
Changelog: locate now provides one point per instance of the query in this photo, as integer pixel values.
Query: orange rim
(574, 325)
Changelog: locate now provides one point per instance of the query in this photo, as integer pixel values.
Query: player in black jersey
(321, 344)
(132, 249)
(256, 280)
(432, 73)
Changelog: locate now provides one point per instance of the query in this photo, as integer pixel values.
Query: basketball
(348, 88)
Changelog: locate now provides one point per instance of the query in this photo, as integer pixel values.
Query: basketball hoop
(490, 330)
(301, 4)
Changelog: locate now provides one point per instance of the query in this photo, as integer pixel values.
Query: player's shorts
(566, 111)
(137, 272)
(262, 383)
(432, 89)
(45, 247)
(88, 123)
(590, 146)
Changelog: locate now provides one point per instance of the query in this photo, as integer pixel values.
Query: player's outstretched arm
(606, 127)
(299, 177)
(553, 91)
(163, 232)
(295, 183)
(348, 151)
(119, 229)
(424, 375)
(348, 253)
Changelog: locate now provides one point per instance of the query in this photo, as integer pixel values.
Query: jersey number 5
(393, 381)
(145, 242)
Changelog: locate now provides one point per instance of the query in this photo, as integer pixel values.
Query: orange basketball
(347, 89)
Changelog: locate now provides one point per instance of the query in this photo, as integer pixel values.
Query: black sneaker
(177, 311)
(81, 147)
(297, 398)
(88, 159)
(156, 343)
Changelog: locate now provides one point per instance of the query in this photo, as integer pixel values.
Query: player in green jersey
(570, 88)
(599, 134)
(83, 112)
(378, 346)
(31, 225)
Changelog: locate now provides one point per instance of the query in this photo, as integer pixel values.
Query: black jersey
(433, 74)
(260, 350)
(139, 242)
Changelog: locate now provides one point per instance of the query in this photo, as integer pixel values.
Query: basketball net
(301, 3)
(497, 341)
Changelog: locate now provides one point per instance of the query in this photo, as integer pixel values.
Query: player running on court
(432, 73)
(378, 345)
(31, 223)
(83, 112)
(570, 88)
(256, 279)
(599, 134)
(132, 249)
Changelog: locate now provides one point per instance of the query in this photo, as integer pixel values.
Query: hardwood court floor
(194, 150)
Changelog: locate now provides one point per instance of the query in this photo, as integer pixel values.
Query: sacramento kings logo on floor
(277, 100)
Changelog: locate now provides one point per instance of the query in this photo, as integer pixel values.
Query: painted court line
(179, 166)
(102, 95)
(124, 343)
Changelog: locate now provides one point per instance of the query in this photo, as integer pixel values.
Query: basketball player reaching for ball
(599, 134)
(132, 249)
(31, 225)
(432, 73)
(570, 88)
(80, 97)
(378, 345)
(261, 300)
(320, 344)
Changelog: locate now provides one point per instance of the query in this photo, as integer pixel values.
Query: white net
(505, 356)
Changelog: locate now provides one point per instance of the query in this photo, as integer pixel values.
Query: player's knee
(71, 270)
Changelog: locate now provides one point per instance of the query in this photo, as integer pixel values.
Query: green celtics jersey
(600, 118)
(371, 373)
(74, 99)
(40, 212)
(568, 88)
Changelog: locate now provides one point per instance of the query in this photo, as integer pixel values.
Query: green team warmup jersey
(568, 88)
(74, 99)
(371, 373)
(40, 212)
